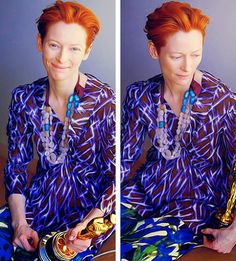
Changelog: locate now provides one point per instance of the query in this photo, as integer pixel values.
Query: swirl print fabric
(165, 238)
(195, 185)
(60, 196)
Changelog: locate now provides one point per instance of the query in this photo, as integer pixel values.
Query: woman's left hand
(224, 239)
(73, 242)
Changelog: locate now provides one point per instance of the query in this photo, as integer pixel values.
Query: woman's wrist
(94, 213)
(18, 223)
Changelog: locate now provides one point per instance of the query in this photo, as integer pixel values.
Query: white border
(118, 125)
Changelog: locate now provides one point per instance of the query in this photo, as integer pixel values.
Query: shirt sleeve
(133, 133)
(133, 193)
(133, 130)
(20, 147)
(107, 154)
(229, 137)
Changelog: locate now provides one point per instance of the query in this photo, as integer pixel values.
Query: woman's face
(180, 57)
(63, 50)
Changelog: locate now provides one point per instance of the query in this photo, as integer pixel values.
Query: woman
(189, 116)
(70, 118)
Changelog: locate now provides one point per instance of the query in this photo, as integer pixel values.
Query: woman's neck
(176, 92)
(61, 90)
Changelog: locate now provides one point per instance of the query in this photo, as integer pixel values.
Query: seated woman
(189, 116)
(69, 116)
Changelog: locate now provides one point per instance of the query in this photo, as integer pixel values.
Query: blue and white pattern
(164, 239)
(59, 196)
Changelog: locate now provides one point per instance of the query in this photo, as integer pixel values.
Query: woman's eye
(196, 55)
(52, 45)
(175, 57)
(75, 49)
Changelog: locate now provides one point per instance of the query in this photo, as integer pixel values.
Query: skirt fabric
(164, 239)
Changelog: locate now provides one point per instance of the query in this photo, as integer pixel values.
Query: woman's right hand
(25, 237)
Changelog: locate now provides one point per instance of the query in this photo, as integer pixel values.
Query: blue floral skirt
(10, 253)
(165, 238)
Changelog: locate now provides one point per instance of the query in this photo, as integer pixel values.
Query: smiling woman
(63, 54)
(70, 118)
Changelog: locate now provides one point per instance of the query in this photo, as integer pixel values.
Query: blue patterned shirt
(59, 196)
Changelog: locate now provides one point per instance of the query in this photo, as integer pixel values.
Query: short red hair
(69, 12)
(172, 17)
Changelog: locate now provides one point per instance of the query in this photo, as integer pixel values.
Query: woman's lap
(7, 251)
(165, 238)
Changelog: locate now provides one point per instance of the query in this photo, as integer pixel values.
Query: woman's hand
(224, 239)
(25, 237)
(79, 245)
(73, 242)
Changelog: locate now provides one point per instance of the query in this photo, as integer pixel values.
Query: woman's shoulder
(216, 91)
(98, 86)
(28, 89)
(137, 89)
(23, 94)
(215, 85)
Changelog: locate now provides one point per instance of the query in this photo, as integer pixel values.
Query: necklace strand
(47, 133)
(183, 123)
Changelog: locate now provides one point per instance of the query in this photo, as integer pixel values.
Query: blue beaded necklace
(47, 133)
(183, 122)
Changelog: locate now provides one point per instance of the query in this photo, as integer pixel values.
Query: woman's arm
(133, 131)
(105, 204)
(225, 238)
(20, 146)
(24, 236)
(20, 153)
(16, 204)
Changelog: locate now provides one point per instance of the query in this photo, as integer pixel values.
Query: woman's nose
(62, 55)
(186, 65)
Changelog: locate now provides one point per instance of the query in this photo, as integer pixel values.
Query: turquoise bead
(69, 105)
(192, 100)
(77, 98)
(186, 94)
(185, 101)
(68, 113)
(76, 104)
(46, 127)
(192, 94)
(161, 124)
(183, 108)
(71, 98)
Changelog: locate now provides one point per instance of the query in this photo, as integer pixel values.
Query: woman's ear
(39, 43)
(152, 50)
(86, 55)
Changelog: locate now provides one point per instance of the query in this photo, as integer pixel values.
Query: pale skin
(62, 55)
(179, 60)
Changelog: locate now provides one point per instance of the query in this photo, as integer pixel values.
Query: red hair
(69, 12)
(172, 17)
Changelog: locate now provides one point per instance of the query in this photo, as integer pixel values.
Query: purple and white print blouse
(59, 196)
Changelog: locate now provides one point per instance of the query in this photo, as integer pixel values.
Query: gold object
(226, 218)
(54, 245)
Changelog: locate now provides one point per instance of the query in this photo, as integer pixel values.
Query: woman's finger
(16, 242)
(26, 245)
(74, 231)
(35, 239)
